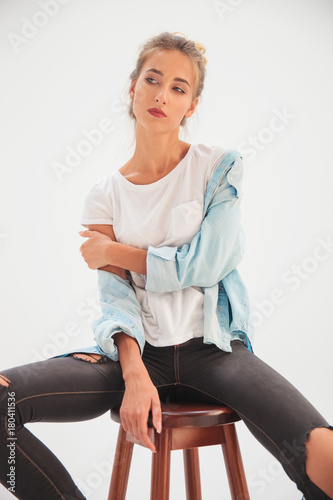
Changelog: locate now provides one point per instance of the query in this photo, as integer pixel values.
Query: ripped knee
(319, 458)
(318, 438)
(318, 444)
(4, 381)
(92, 358)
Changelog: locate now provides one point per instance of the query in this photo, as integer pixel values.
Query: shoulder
(209, 154)
(102, 186)
(212, 157)
(224, 166)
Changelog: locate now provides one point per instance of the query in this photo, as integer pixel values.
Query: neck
(155, 154)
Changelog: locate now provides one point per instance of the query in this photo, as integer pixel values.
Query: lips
(156, 112)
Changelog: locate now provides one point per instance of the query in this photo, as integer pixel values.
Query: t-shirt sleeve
(217, 157)
(97, 206)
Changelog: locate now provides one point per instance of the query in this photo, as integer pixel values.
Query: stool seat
(185, 426)
(188, 415)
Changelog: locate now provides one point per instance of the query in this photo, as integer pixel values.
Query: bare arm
(107, 254)
(108, 230)
(140, 394)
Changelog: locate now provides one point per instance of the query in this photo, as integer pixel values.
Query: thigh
(245, 382)
(275, 411)
(65, 389)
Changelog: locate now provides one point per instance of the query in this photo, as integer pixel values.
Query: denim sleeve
(121, 313)
(215, 250)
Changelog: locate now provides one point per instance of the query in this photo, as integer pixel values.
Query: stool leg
(160, 474)
(121, 467)
(192, 474)
(234, 464)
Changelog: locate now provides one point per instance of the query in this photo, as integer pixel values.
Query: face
(158, 87)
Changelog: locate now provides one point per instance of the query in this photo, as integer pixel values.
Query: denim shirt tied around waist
(209, 261)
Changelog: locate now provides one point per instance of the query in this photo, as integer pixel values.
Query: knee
(4, 381)
(319, 459)
(319, 448)
(4, 388)
(318, 439)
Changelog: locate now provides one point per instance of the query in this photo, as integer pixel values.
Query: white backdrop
(268, 93)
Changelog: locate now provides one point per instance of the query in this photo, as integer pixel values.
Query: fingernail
(159, 427)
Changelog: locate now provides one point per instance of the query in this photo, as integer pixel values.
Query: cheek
(141, 93)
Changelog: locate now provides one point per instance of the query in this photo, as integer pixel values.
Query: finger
(157, 414)
(126, 423)
(131, 427)
(145, 438)
(86, 233)
(143, 432)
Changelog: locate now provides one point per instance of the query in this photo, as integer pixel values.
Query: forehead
(172, 63)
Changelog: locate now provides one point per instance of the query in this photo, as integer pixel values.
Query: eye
(150, 78)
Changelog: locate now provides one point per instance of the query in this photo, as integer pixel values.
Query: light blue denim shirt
(209, 261)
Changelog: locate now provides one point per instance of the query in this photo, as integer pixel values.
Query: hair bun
(176, 33)
(202, 50)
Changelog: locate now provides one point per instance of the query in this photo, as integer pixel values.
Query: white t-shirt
(168, 212)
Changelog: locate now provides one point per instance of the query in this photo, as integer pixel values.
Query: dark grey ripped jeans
(69, 389)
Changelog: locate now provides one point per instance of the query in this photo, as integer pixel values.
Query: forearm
(126, 257)
(108, 230)
(129, 356)
(115, 270)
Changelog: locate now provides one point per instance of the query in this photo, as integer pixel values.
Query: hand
(93, 250)
(139, 397)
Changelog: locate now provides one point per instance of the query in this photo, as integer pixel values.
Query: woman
(164, 233)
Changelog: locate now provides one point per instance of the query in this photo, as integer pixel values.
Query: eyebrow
(162, 74)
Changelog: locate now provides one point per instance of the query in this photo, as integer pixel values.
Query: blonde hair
(173, 41)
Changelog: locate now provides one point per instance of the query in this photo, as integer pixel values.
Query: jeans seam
(57, 393)
(49, 394)
(255, 425)
(175, 364)
(32, 462)
(165, 385)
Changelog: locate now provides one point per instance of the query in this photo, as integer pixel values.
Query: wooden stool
(185, 426)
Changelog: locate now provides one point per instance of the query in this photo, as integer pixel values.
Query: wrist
(108, 252)
(136, 373)
(130, 359)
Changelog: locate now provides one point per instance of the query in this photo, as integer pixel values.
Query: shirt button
(132, 326)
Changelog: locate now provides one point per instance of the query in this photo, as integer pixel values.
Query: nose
(161, 96)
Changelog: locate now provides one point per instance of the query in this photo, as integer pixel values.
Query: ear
(191, 110)
(132, 89)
